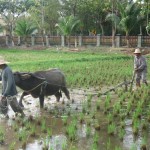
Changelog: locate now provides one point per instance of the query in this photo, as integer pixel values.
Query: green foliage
(25, 27)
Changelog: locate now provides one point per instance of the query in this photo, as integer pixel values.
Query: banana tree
(67, 25)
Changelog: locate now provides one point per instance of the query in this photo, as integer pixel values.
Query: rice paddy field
(91, 120)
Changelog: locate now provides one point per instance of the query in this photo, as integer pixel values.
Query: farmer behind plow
(9, 91)
(140, 68)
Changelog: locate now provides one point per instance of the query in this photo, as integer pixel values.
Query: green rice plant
(71, 131)
(98, 104)
(110, 118)
(144, 125)
(94, 146)
(15, 127)
(49, 132)
(64, 119)
(33, 131)
(118, 148)
(28, 125)
(111, 129)
(121, 134)
(88, 131)
(143, 144)
(45, 145)
(135, 127)
(116, 109)
(81, 117)
(12, 146)
(43, 126)
(84, 107)
(133, 147)
(96, 138)
(1, 135)
(22, 135)
(107, 103)
(89, 98)
(108, 145)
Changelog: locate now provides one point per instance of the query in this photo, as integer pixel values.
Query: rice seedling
(110, 118)
(33, 131)
(45, 145)
(88, 131)
(111, 129)
(108, 145)
(118, 148)
(96, 138)
(81, 117)
(116, 109)
(143, 144)
(43, 126)
(1, 135)
(98, 104)
(64, 119)
(12, 146)
(71, 130)
(22, 135)
(94, 146)
(49, 132)
(133, 147)
(135, 127)
(121, 134)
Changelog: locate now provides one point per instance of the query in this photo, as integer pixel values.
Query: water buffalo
(42, 83)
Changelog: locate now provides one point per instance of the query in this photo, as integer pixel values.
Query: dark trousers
(12, 101)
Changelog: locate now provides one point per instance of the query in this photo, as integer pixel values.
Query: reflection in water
(57, 142)
(129, 139)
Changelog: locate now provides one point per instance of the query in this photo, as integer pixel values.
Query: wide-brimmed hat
(2, 61)
(137, 51)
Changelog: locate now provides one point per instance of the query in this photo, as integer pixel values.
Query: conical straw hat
(2, 61)
(137, 51)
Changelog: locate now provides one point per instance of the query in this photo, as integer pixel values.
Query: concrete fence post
(19, 40)
(118, 40)
(98, 40)
(62, 40)
(139, 44)
(32, 39)
(7, 40)
(47, 40)
(80, 40)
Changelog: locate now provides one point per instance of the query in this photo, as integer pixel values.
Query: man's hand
(136, 69)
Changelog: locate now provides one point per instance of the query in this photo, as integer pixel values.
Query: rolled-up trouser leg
(3, 106)
(138, 78)
(14, 104)
(144, 78)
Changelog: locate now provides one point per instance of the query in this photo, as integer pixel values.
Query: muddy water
(53, 113)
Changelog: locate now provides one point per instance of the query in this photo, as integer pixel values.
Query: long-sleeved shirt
(140, 63)
(8, 82)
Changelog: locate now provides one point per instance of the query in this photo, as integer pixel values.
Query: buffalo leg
(65, 90)
(21, 98)
(58, 96)
(41, 98)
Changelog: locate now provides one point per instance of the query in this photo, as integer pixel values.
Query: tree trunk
(68, 40)
(127, 38)
(113, 37)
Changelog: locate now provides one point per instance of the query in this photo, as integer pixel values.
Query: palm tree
(25, 28)
(129, 17)
(67, 25)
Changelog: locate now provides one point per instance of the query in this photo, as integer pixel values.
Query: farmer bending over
(140, 67)
(9, 91)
